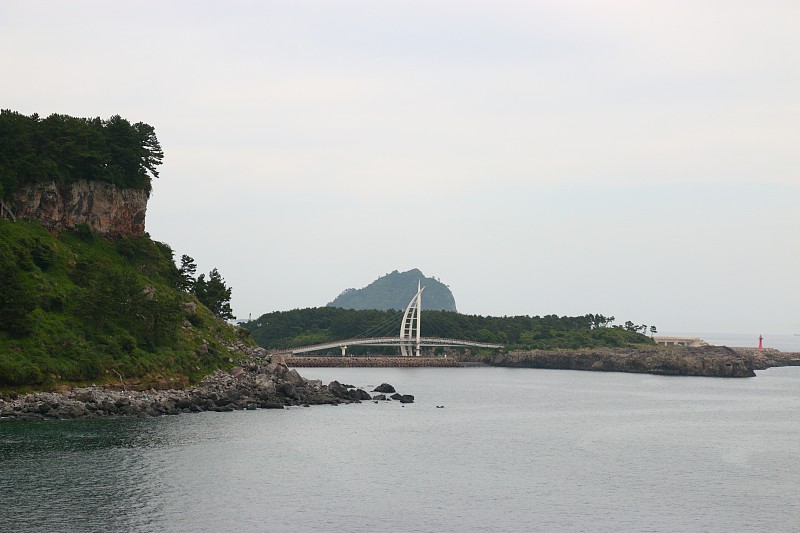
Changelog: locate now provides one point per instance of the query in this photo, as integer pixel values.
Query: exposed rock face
(712, 361)
(769, 357)
(106, 208)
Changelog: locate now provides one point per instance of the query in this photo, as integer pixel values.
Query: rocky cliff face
(106, 208)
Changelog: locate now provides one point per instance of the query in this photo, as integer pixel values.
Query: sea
(480, 449)
(785, 342)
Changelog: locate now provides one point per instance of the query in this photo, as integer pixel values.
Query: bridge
(410, 339)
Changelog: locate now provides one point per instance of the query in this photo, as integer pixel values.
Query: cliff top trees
(211, 292)
(65, 149)
(214, 294)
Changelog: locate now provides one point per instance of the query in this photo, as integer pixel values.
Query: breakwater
(370, 361)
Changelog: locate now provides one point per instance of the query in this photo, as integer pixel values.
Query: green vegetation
(66, 149)
(302, 327)
(213, 293)
(394, 291)
(82, 308)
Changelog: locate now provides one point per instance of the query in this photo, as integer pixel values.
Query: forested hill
(79, 307)
(395, 291)
(303, 327)
(64, 149)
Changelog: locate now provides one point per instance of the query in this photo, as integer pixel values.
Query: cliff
(109, 210)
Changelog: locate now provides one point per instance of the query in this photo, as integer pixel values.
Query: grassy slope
(81, 308)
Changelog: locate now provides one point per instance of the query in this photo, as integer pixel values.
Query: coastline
(270, 383)
(707, 361)
(257, 385)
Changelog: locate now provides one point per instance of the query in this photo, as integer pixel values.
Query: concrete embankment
(369, 361)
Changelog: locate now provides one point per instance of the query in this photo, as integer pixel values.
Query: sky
(637, 159)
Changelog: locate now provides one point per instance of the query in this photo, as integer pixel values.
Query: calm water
(512, 450)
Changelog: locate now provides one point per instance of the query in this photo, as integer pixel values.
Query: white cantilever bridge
(410, 339)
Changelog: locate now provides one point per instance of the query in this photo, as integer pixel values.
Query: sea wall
(109, 210)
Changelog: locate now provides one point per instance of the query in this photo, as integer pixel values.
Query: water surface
(512, 450)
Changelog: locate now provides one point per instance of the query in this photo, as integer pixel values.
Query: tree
(214, 294)
(653, 330)
(150, 152)
(186, 279)
(65, 149)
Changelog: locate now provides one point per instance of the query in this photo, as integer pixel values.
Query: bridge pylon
(410, 327)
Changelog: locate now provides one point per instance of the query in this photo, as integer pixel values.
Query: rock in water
(359, 394)
(384, 387)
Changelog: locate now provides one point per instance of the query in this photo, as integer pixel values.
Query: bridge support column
(410, 328)
(344, 350)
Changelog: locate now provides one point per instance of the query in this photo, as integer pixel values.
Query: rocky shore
(712, 361)
(769, 357)
(258, 385)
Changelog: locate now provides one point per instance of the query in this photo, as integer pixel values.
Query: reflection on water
(513, 450)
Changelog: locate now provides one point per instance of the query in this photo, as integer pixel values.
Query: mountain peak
(395, 290)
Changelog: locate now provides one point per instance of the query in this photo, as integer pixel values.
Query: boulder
(289, 390)
(314, 385)
(293, 377)
(267, 387)
(379, 397)
(407, 398)
(360, 394)
(338, 390)
(384, 387)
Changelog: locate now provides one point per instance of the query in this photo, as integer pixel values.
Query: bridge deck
(391, 341)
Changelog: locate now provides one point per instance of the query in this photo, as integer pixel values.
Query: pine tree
(214, 294)
(186, 273)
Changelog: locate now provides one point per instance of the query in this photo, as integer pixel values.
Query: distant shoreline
(709, 361)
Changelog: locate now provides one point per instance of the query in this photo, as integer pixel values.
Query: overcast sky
(632, 158)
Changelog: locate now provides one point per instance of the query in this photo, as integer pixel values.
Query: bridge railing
(391, 341)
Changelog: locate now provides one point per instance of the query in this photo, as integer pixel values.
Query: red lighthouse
(760, 342)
